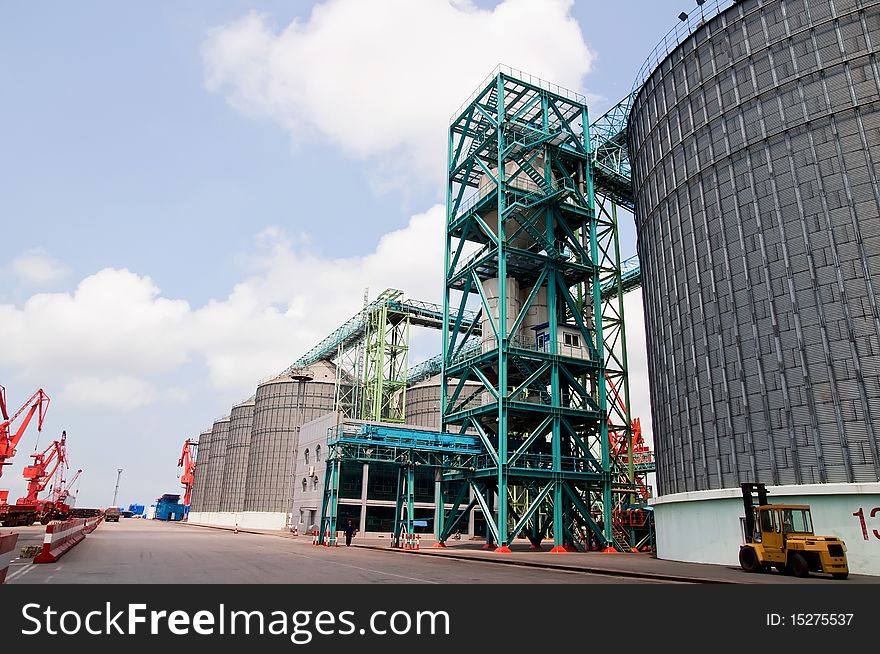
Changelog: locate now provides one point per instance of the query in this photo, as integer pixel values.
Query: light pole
(116, 492)
(300, 376)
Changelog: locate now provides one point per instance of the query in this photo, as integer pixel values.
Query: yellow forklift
(781, 536)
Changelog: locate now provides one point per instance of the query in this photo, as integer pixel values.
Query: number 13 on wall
(860, 514)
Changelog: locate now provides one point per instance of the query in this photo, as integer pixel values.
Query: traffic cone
(236, 527)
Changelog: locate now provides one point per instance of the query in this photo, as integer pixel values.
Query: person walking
(350, 531)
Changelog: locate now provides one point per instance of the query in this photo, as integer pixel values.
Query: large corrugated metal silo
(281, 406)
(423, 401)
(214, 481)
(238, 446)
(203, 457)
(755, 148)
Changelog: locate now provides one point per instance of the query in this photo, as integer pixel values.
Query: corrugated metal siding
(423, 401)
(755, 149)
(203, 458)
(214, 479)
(241, 419)
(280, 408)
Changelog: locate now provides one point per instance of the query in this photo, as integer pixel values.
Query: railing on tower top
(683, 29)
(523, 77)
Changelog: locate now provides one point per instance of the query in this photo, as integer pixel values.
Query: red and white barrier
(59, 538)
(92, 524)
(418, 542)
(7, 553)
(326, 540)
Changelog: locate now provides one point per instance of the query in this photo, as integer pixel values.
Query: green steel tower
(386, 356)
(527, 245)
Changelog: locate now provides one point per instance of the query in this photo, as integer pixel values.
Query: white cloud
(114, 321)
(36, 267)
(118, 392)
(380, 78)
(107, 343)
(294, 297)
(637, 361)
(104, 342)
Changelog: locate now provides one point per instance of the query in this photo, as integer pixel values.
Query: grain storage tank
(423, 401)
(214, 480)
(238, 446)
(755, 147)
(203, 456)
(281, 406)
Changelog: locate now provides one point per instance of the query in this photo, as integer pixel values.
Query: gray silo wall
(214, 480)
(238, 445)
(423, 402)
(280, 408)
(203, 456)
(755, 149)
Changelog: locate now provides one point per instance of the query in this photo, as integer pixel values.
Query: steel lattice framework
(386, 355)
(558, 195)
(370, 354)
(403, 447)
(543, 420)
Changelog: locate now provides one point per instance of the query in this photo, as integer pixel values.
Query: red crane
(61, 493)
(48, 463)
(641, 453)
(188, 463)
(39, 401)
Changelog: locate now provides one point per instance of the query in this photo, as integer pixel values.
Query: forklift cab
(774, 523)
(781, 536)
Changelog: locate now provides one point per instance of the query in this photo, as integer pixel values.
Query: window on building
(306, 454)
(315, 482)
(572, 340)
(305, 485)
(317, 453)
(543, 342)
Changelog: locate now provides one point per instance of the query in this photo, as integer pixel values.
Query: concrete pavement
(149, 551)
(642, 567)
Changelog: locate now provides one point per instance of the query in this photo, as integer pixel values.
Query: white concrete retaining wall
(704, 526)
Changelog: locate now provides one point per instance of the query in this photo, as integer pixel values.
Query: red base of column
(439, 545)
(502, 550)
(559, 549)
(488, 546)
(570, 548)
(609, 550)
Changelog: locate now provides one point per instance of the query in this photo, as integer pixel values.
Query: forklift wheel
(748, 560)
(840, 575)
(800, 567)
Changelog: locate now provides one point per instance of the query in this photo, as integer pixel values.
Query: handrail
(675, 36)
(523, 77)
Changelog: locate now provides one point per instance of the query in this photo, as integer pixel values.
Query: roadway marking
(27, 567)
(355, 567)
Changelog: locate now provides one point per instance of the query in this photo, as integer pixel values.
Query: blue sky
(148, 170)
